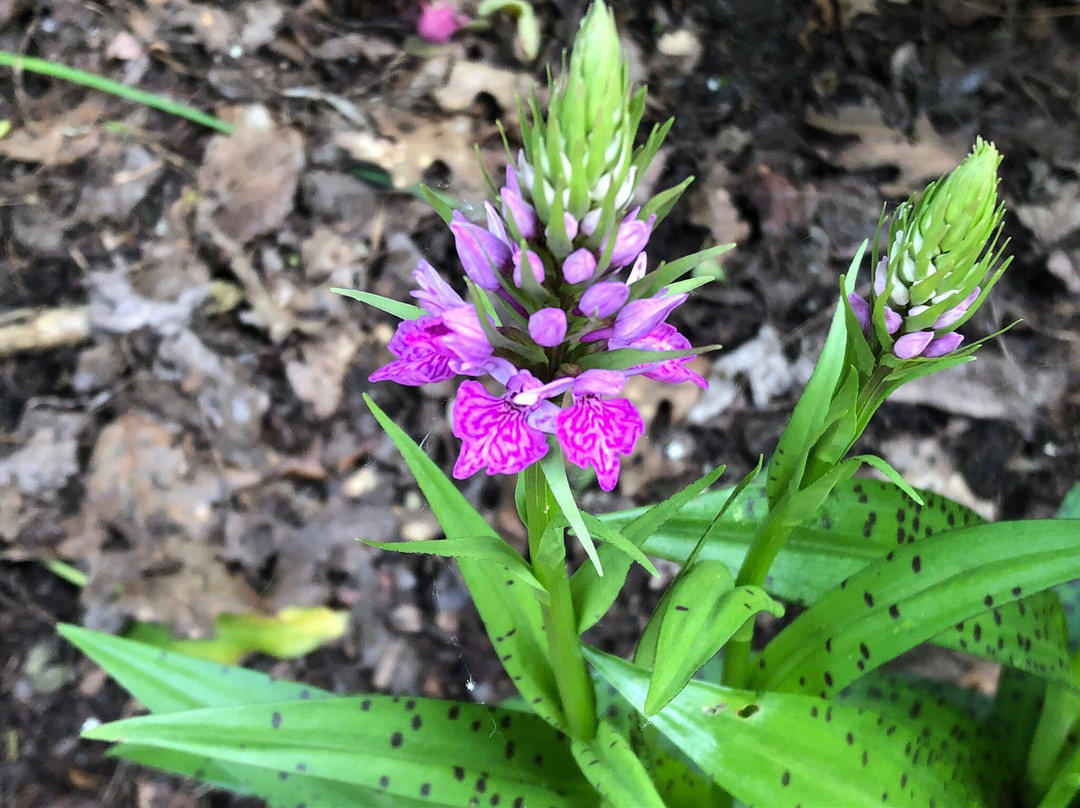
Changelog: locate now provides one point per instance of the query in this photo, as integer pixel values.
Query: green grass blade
(95, 82)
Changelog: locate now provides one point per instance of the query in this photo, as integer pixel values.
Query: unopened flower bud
(638, 317)
(536, 267)
(630, 239)
(579, 266)
(603, 299)
(547, 327)
(482, 254)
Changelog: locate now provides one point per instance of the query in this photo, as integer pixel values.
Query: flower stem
(548, 557)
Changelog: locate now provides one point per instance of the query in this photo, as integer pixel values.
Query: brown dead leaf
(317, 379)
(920, 158)
(411, 145)
(248, 179)
(719, 213)
(469, 79)
(326, 253)
(781, 206)
(57, 141)
(992, 387)
(1059, 218)
(120, 178)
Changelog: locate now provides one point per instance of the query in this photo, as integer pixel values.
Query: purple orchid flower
(483, 254)
(421, 355)
(595, 431)
(495, 432)
(665, 337)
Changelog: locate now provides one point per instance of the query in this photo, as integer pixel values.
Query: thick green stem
(560, 622)
(768, 540)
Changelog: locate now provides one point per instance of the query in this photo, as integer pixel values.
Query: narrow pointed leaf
(592, 594)
(513, 622)
(403, 311)
(491, 549)
(555, 473)
(447, 752)
(615, 771)
(921, 589)
(698, 620)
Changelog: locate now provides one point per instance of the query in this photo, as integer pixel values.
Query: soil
(180, 395)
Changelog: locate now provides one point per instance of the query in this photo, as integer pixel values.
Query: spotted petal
(595, 431)
(421, 356)
(495, 433)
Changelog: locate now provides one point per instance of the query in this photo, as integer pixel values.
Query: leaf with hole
(784, 750)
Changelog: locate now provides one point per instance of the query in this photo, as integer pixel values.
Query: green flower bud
(941, 257)
(581, 159)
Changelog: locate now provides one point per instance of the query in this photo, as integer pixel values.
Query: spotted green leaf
(784, 750)
(513, 622)
(593, 594)
(615, 770)
(702, 613)
(1070, 592)
(442, 753)
(167, 682)
(916, 592)
(862, 521)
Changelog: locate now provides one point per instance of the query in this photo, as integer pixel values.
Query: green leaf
(166, 682)
(916, 592)
(622, 358)
(297, 789)
(1070, 592)
(292, 632)
(699, 618)
(783, 750)
(1063, 791)
(446, 752)
(442, 204)
(513, 622)
(555, 474)
(478, 548)
(403, 311)
(615, 770)
(605, 533)
(668, 273)
(859, 522)
(593, 594)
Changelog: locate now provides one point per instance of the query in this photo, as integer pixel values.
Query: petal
(911, 345)
(943, 345)
(434, 294)
(862, 311)
(547, 327)
(594, 432)
(421, 357)
(603, 299)
(494, 433)
(638, 317)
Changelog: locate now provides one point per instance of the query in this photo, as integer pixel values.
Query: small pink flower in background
(439, 22)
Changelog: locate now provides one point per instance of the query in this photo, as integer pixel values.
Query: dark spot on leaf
(410, 704)
(481, 785)
(916, 564)
(894, 611)
(425, 789)
(416, 722)
(747, 711)
(785, 778)
(365, 705)
(459, 773)
(396, 739)
(1016, 591)
(275, 719)
(505, 722)
(384, 781)
(828, 645)
(681, 608)
(989, 600)
(305, 694)
(475, 725)
(864, 650)
(828, 678)
(301, 767)
(866, 596)
(454, 712)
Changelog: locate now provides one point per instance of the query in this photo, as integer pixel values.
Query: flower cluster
(937, 268)
(560, 310)
(546, 331)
